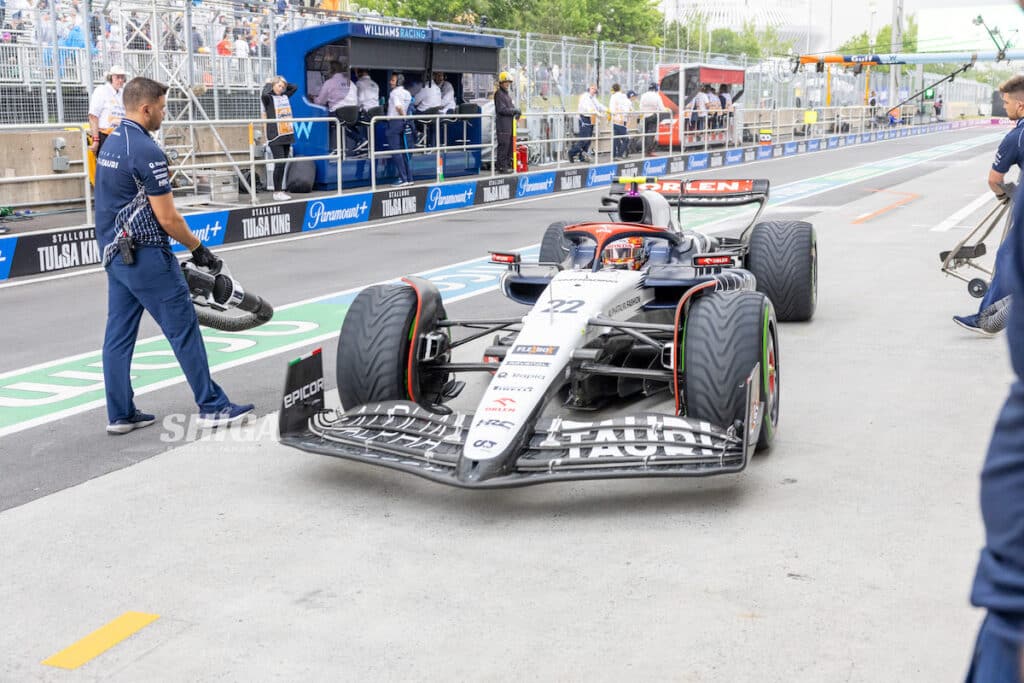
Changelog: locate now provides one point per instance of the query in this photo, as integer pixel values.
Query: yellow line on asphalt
(101, 640)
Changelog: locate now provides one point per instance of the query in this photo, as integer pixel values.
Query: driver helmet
(624, 254)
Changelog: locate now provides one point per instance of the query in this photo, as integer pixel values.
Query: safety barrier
(45, 252)
(235, 145)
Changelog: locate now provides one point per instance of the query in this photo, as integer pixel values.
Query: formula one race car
(619, 311)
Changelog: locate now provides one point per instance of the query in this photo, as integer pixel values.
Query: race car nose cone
(471, 471)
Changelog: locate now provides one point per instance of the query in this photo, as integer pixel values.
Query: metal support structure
(87, 39)
(58, 66)
(189, 46)
(897, 45)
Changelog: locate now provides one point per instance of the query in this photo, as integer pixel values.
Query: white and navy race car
(618, 311)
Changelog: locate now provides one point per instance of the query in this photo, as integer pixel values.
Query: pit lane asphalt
(845, 553)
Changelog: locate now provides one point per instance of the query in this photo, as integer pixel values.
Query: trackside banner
(48, 252)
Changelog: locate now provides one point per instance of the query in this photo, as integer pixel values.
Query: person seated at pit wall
(368, 96)
(447, 92)
(337, 93)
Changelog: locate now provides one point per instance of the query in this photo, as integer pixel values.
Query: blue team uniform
(999, 581)
(129, 169)
(1010, 152)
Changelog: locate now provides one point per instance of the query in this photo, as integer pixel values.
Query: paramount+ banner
(48, 252)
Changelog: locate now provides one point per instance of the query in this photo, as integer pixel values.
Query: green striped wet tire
(783, 257)
(724, 335)
(373, 347)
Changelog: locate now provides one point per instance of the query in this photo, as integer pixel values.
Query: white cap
(117, 70)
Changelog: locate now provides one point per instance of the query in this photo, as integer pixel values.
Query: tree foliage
(622, 21)
(693, 35)
(881, 43)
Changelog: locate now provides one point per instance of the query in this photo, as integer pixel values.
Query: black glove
(1008, 192)
(517, 113)
(204, 258)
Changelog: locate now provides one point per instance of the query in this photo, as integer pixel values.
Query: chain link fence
(224, 52)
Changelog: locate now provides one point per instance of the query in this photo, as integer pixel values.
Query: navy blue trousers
(582, 145)
(997, 289)
(621, 146)
(154, 283)
(396, 140)
(995, 659)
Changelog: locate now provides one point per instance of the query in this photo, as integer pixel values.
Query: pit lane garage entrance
(304, 58)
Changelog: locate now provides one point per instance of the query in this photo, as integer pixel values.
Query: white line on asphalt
(301, 344)
(810, 209)
(377, 224)
(963, 213)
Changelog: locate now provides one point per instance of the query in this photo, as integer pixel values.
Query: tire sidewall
(368, 372)
(715, 368)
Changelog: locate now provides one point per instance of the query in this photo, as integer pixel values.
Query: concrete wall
(30, 153)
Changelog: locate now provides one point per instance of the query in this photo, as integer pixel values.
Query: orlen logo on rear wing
(728, 192)
(669, 188)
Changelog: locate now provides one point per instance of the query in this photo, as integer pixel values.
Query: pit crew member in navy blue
(999, 581)
(135, 219)
(1010, 152)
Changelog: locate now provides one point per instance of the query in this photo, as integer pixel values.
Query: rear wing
(718, 192)
(709, 192)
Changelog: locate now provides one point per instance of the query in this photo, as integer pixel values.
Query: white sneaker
(281, 197)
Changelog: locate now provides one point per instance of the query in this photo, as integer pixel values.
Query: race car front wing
(406, 436)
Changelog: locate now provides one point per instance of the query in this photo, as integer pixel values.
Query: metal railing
(438, 150)
(747, 128)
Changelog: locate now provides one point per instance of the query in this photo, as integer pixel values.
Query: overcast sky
(851, 18)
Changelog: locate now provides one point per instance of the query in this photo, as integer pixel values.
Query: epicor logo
(304, 392)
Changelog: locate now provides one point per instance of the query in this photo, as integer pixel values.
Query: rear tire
(554, 248)
(725, 334)
(373, 347)
(783, 257)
